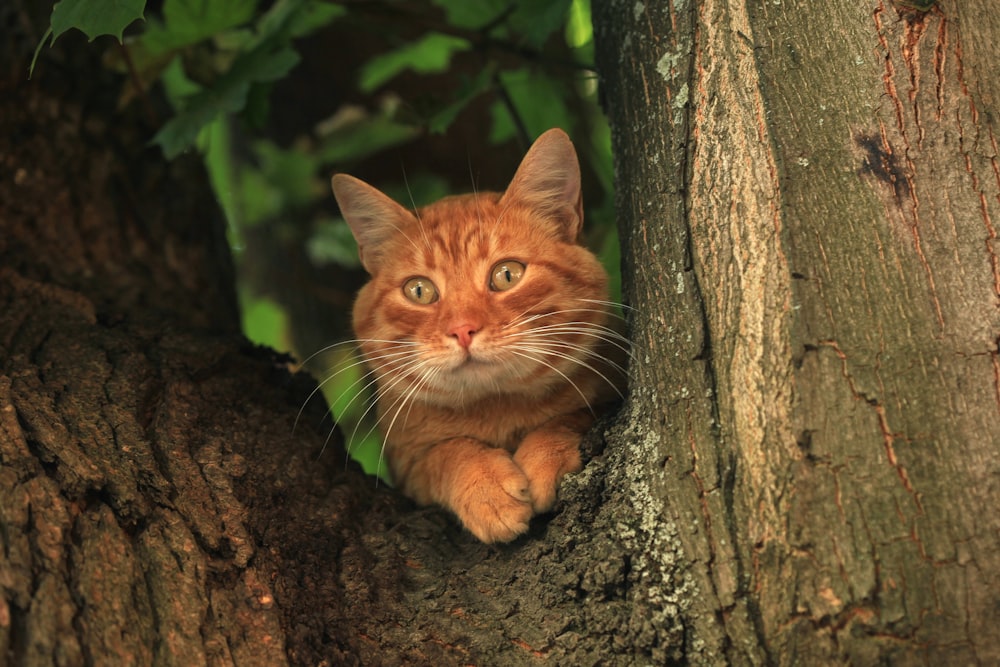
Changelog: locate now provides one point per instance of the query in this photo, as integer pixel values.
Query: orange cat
(487, 329)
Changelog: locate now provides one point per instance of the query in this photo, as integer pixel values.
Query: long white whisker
(552, 313)
(518, 318)
(572, 327)
(567, 357)
(392, 366)
(565, 345)
(381, 391)
(320, 385)
(523, 353)
(577, 323)
(616, 304)
(538, 316)
(399, 366)
(557, 333)
(401, 402)
(353, 341)
(600, 331)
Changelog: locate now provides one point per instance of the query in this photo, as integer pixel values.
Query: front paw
(545, 458)
(493, 501)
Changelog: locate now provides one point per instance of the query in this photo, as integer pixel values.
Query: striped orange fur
(487, 328)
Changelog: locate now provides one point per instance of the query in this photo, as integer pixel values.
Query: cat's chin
(473, 378)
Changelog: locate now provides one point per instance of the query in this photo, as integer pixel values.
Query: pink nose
(463, 334)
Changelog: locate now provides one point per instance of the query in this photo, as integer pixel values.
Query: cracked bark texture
(804, 472)
(808, 195)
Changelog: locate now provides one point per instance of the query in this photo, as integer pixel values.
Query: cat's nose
(463, 334)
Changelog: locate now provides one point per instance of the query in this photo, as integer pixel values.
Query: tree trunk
(798, 476)
(807, 194)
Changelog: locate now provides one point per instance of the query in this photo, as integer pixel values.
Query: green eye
(505, 275)
(420, 290)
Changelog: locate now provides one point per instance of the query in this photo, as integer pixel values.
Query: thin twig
(505, 98)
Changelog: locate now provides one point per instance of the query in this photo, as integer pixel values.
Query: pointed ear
(372, 216)
(548, 181)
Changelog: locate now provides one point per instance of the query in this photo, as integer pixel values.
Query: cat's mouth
(474, 361)
(469, 359)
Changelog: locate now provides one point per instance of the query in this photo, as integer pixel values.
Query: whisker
(600, 331)
(416, 212)
(616, 304)
(561, 311)
(608, 336)
(556, 345)
(353, 341)
(320, 385)
(524, 354)
(579, 323)
(400, 403)
(537, 316)
(399, 367)
(568, 357)
(481, 228)
(398, 363)
(380, 391)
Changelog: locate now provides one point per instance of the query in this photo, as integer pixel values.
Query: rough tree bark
(809, 193)
(803, 471)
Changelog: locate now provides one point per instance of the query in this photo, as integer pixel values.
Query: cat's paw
(494, 501)
(545, 457)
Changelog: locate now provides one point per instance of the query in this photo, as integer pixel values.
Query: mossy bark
(808, 193)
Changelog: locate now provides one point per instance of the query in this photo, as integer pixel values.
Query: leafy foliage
(95, 17)
(92, 17)
(268, 61)
(430, 53)
(439, 63)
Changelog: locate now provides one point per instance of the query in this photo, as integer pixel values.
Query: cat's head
(479, 294)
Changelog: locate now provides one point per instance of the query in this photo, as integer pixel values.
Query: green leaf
(95, 17)
(260, 201)
(187, 22)
(355, 140)
(314, 16)
(442, 119)
(281, 19)
(265, 323)
(529, 20)
(472, 14)
(268, 58)
(538, 100)
(195, 20)
(292, 172)
(228, 95)
(535, 20)
(333, 242)
(431, 53)
(579, 27)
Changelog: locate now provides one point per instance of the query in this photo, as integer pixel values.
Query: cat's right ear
(372, 216)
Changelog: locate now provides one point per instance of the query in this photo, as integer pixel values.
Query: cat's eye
(505, 275)
(420, 290)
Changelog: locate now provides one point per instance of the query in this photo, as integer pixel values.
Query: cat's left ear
(548, 181)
